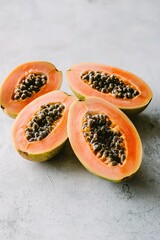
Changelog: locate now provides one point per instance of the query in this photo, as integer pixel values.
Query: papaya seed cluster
(105, 139)
(29, 85)
(44, 121)
(106, 83)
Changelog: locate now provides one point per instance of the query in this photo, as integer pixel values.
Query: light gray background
(59, 199)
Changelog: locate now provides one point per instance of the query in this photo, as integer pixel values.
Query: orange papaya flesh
(95, 161)
(44, 149)
(16, 78)
(130, 105)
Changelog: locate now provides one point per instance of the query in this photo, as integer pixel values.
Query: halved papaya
(104, 139)
(40, 129)
(122, 88)
(27, 82)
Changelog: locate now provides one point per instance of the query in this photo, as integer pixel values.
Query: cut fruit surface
(104, 139)
(27, 82)
(40, 129)
(122, 88)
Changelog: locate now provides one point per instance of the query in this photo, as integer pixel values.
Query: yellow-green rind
(135, 111)
(78, 95)
(8, 113)
(41, 157)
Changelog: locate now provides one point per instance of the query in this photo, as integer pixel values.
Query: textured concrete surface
(59, 199)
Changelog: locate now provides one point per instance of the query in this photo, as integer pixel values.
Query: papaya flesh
(104, 139)
(40, 129)
(27, 82)
(122, 88)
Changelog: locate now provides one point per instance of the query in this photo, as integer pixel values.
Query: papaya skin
(128, 106)
(94, 165)
(13, 107)
(125, 179)
(41, 157)
(10, 114)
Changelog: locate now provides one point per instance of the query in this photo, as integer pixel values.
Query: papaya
(40, 129)
(122, 88)
(104, 139)
(27, 82)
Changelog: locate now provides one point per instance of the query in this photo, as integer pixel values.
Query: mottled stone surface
(59, 199)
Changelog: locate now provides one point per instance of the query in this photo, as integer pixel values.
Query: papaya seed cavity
(29, 85)
(104, 138)
(105, 83)
(43, 121)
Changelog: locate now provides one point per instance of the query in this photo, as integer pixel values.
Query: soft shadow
(64, 160)
(144, 184)
(147, 124)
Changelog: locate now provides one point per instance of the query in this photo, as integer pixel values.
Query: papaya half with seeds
(40, 129)
(122, 88)
(27, 82)
(104, 139)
